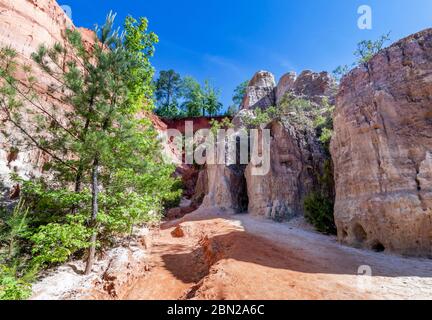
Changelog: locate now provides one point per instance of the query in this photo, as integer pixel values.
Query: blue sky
(227, 41)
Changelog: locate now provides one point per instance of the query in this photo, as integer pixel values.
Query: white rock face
(260, 91)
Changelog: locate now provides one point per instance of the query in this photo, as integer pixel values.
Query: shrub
(11, 287)
(366, 49)
(325, 138)
(260, 117)
(14, 229)
(55, 243)
(319, 212)
(216, 125)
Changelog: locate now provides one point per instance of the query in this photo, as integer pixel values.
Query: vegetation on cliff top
(178, 97)
(365, 51)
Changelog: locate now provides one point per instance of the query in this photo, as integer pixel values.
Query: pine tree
(167, 91)
(211, 99)
(103, 144)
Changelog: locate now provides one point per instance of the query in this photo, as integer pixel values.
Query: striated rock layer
(24, 26)
(382, 150)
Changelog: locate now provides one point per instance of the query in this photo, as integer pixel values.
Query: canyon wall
(24, 26)
(382, 150)
(296, 155)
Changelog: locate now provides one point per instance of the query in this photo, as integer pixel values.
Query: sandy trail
(242, 257)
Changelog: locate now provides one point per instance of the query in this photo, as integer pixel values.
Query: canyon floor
(214, 255)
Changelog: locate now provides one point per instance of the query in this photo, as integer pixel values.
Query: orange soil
(218, 258)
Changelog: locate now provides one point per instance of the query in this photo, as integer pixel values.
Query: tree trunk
(11, 248)
(93, 221)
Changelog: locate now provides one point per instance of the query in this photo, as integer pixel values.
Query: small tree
(199, 100)
(102, 143)
(239, 93)
(238, 96)
(211, 100)
(167, 91)
(319, 212)
(193, 96)
(366, 49)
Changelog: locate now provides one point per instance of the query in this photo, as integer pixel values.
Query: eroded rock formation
(311, 85)
(296, 155)
(226, 188)
(260, 91)
(296, 163)
(382, 150)
(24, 25)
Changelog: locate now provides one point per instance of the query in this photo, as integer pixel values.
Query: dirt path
(242, 257)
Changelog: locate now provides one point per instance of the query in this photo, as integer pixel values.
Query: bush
(319, 212)
(260, 117)
(55, 243)
(325, 138)
(13, 229)
(11, 287)
(216, 125)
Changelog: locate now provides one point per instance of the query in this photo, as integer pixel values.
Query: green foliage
(176, 196)
(106, 168)
(238, 96)
(340, 72)
(325, 137)
(216, 125)
(319, 212)
(49, 203)
(137, 48)
(211, 99)
(199, 100)
(366, 50)
(323, 124)
(16, 268)
(168, 89)
(14, 228)
(55, 243)
(239, 93)
(260, 117)
(11, 286)
(292, 103)
(326, 180)
(194, 98)
(177, 97)
(298, 111)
